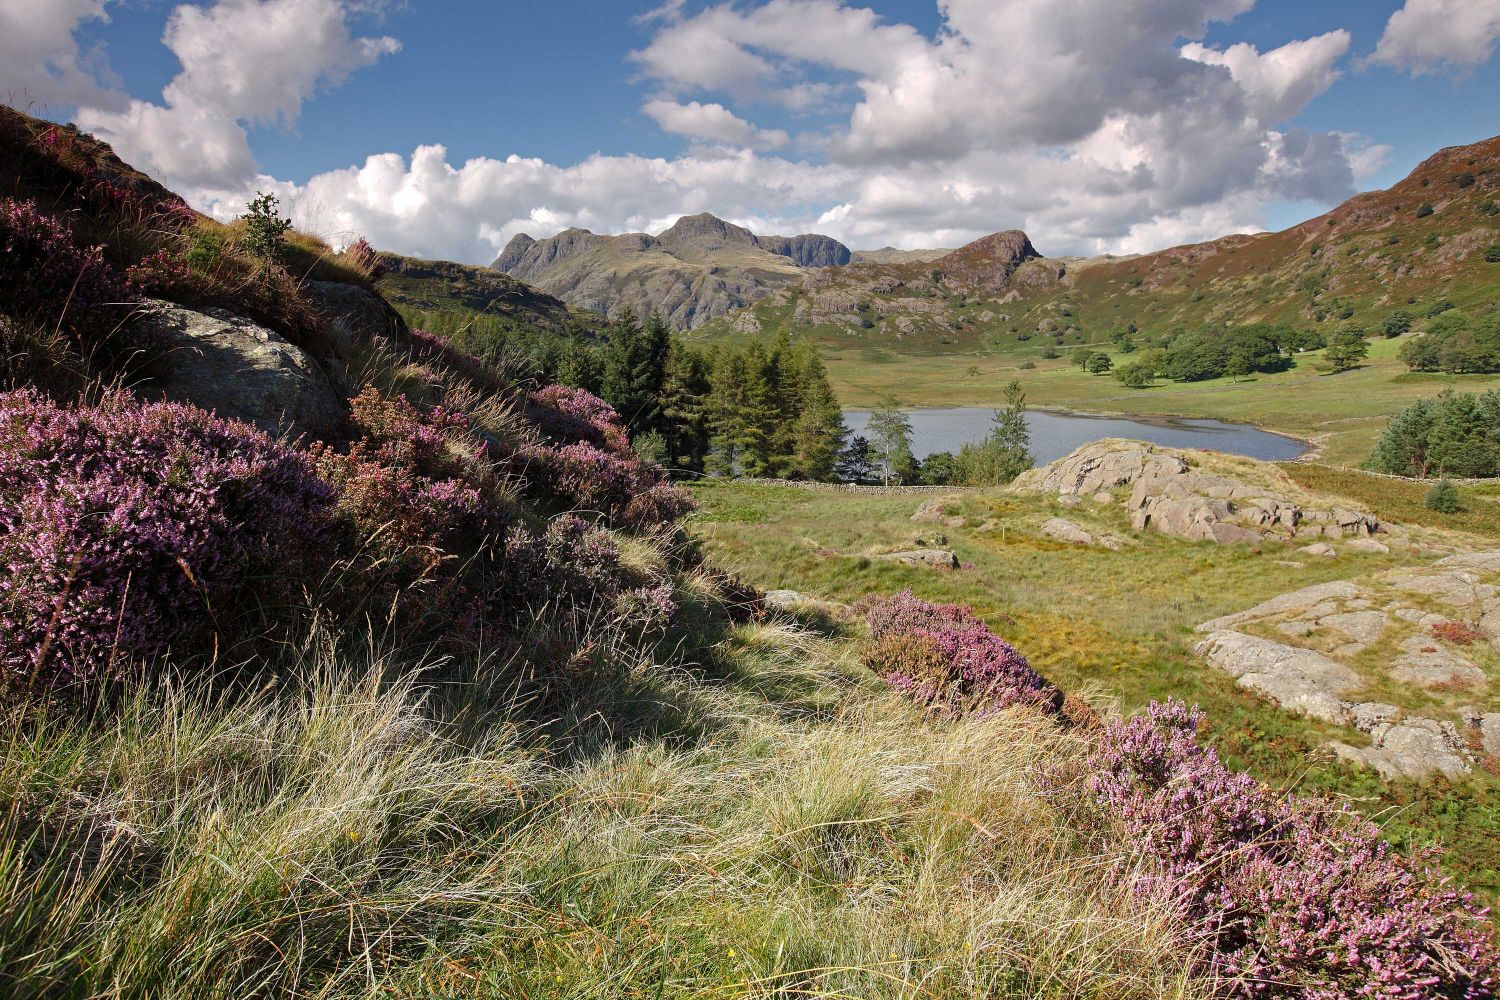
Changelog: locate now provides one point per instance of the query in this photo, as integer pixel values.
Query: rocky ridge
(701, 268)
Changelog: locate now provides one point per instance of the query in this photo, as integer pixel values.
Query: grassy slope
(1116, 624)
(1370, 257)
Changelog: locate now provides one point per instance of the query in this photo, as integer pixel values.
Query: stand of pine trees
(762, 410)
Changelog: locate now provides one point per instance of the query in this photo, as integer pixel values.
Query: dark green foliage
(1346, 349)
(854, 463)
(1456, 434)
(1492, 254)
(1240, 350)
(634, 370)
(938, 469)
(1136, 374)
(1424, 210)
(1098, 364)
(1006, 453)
(265, 230)
(1396, 324)
(1443, 498)
(1080, 357)
(1456, 344)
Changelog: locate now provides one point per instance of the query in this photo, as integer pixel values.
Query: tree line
(763, 410)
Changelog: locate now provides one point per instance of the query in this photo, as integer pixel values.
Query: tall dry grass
(755, 817)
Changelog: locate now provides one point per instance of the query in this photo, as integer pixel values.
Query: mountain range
(1425, 240)
(697, 270)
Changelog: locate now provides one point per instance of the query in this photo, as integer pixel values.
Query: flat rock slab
(933, 558)
(1299, 680)
(1294, 602)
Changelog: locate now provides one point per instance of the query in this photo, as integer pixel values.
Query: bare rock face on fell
(1168, 494)
(699, 269)
(239, 370)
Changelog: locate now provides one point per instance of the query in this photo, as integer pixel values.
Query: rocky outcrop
(445, 285)
(239, 370)
(935, 511)
(810, 250)
(700, 268)
(1169, 496)
(1311, 651)
(930, 558)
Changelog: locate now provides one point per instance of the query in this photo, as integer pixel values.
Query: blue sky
(1076, 119)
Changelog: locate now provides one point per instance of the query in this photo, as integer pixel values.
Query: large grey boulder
(240, 370)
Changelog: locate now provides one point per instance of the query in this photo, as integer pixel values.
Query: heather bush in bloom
(943, 656)
(365, 258)
(47, 277)
(570, 416)
(1290, 897)
(421, 504)
(589, 463)
(123, 526)
(162, 275)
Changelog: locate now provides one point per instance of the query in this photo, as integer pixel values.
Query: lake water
(1055, 434)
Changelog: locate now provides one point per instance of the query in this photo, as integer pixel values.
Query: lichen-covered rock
(238, 369)
(1062, 530)
(1168, 496)
(1299, 680)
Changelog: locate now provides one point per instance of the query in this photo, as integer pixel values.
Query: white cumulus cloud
(712, 123)
(1431, 36)
(40, 60)
(243, 61)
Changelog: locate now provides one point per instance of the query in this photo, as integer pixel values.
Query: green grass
(752, 815)
(1115, 625)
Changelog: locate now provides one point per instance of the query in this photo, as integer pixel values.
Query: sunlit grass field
(1117, 625)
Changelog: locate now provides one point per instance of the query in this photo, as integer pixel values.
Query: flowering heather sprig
(162, 275)
(121, 523)
(45, 275)
(365, 258)
(943, 656)
(1292, 897)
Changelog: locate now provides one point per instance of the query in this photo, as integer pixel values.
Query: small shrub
(363, 256)
(942, 656)
(47, 277)
(123, 524)
(1443, 498)
(1289, 896)
(1456, 632)
(265, 230)
(1424, 210)
(1492, 254)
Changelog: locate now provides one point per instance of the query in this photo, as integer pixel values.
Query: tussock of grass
(387, 828)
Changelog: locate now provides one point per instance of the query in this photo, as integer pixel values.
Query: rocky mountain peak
(706, 231)
(989, 261)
